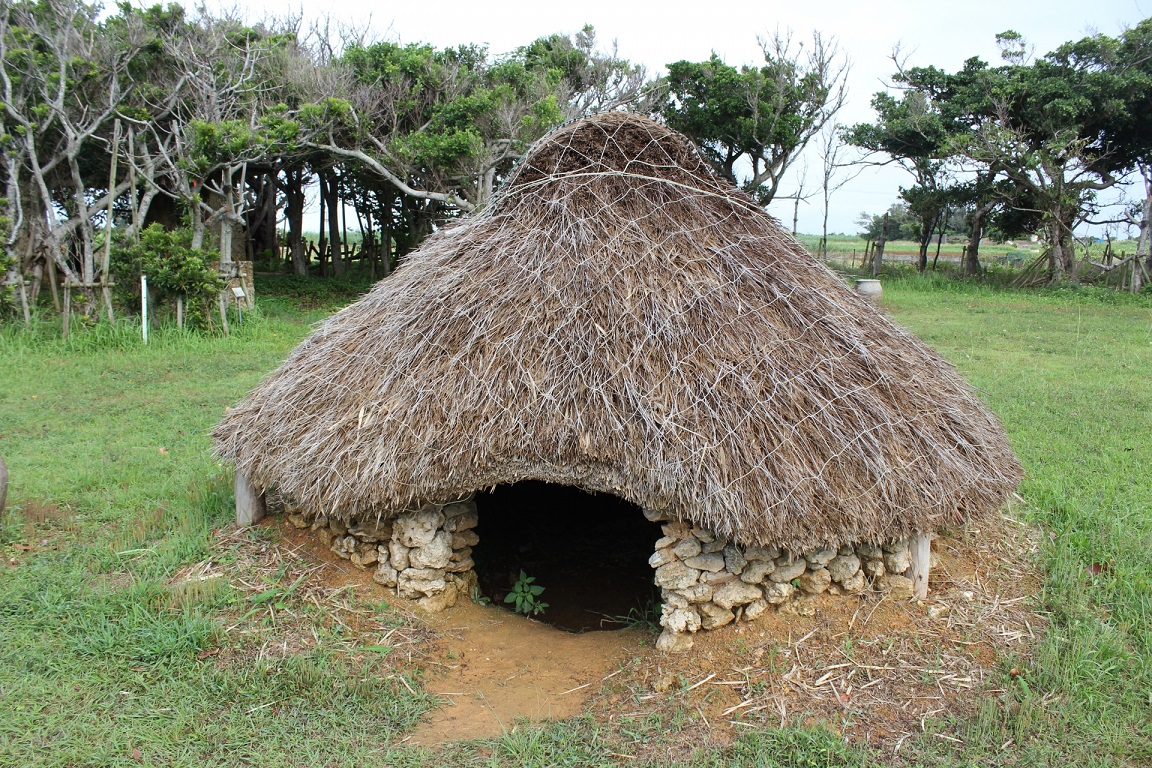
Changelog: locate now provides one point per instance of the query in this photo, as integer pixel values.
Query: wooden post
(250, 506)
(921, 545)
(144, 306)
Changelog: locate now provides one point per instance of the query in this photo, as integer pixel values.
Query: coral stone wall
(705, 580)
(425, 554)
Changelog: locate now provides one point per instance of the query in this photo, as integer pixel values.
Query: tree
(761, 117)
(1060, 129)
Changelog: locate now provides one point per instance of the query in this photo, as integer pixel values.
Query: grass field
(109, 655)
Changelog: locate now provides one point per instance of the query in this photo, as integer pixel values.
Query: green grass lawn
(115, 493)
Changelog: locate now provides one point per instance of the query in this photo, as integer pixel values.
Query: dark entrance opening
(589, 551)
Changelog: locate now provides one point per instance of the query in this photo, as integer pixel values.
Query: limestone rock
(466, 564)
(734, 560)
(417, 582)
(463, 522)
(843, 567)
(682, 620)
(697, 593)
(676, 530)
(815, 582)
(673, 642)
(321, 522)
(662, 557)
(462, 539)
(821, 557)
(439, 601)
(854, 584)
(365, 558)
(337, 526)
(705, 536)
(898, 560)
(761, 553)
(655, 517)
(666, 541)
(386, 575)
(713, 616)
(711, 562)
(674, 600)
(718, 578)
(458, 509)
(756, 571)
(398, 554)
(676, 575)
(901, 587)
(777, 593)
(299, 521)
(786, 571)
(687, 548)
(415, 529)
(754, 609)
(459, 555)
(873, 569)
(736, 593)
(716, 545)
(372, 530)
(433, 554)
(869, 551)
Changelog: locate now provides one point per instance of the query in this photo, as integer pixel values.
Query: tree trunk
(335, 235)
(294, 197)
(972, 254)
(878, 253)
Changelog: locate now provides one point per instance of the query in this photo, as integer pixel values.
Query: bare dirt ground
(876, 669)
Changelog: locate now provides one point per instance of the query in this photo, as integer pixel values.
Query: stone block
(436, 553)
(815, 582)
(697, 593)
(386, 575)
(439, 601)
(778, 593)
(462, 539)
(464, 522)
(661, 557)
(754, 610)
(756, 571)
(786, 571)
(843, 567)
(761, 553)
(687, 548)
(398, 554)
(415, 529)
(674, 642)
(682, 620)
(676, 575)
(820, 557)
(736, 593)
(734, 560)
(711, 562)
(713, 616)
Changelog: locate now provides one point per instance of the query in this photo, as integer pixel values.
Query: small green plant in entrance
(526, 596)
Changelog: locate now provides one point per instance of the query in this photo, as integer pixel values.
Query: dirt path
(500, 667)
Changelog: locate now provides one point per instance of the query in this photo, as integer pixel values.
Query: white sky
(654, 34)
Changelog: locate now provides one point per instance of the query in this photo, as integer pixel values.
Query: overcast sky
(654, 34)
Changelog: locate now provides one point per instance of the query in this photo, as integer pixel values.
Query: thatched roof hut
(622, 320)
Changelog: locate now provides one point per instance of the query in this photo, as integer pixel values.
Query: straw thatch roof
(622, 320)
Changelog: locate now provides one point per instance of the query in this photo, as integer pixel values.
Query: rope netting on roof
(622, 320)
